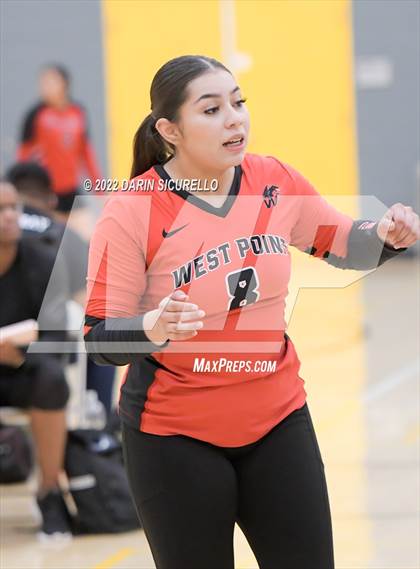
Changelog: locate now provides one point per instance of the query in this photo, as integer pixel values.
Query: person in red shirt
(188, 286)
(55, 133)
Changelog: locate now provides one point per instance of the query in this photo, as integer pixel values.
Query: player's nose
(233, 117)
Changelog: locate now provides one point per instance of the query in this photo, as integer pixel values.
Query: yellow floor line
(116, 558)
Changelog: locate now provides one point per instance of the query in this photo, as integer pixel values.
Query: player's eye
(240, 102)
(211, 111)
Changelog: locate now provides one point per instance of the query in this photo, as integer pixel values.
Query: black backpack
(98, 484)
(16, 456)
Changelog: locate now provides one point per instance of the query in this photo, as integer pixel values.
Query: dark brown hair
(167, 94)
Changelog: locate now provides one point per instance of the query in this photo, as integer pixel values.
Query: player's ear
(168, 130)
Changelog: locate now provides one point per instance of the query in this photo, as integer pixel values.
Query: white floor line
(409, 372)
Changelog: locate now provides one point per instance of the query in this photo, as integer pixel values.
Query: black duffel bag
(98, 484)
(16, 456)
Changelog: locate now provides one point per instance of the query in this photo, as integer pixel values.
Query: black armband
(365, 249)
(118, 341)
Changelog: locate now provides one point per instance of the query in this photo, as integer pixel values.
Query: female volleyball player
(187, 285)
(55, 133)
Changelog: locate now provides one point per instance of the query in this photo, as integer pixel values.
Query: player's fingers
(170, 316)
(404, 237)
(184, 326)
(192, 315)
(399, 216)
(176, 306)
(177, 295)
(385, 226)
(412, 232)
(182, 316)
(182, 335)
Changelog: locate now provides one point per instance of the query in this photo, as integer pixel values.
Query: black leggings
(189, 494)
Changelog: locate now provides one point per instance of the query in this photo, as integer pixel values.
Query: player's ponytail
(167, 93)
(148, 147)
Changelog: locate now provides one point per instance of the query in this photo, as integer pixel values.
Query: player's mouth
(235, 143)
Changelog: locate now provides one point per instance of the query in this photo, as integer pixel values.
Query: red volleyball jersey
(59, 140)
(239, 376)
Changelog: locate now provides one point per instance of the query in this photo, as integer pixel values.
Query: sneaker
(55, 518)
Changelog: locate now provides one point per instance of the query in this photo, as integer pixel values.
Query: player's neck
(61, 103)
(180, 171)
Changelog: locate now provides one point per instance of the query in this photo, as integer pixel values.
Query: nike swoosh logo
(166, 234)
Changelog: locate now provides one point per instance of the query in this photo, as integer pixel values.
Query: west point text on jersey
(213, 258)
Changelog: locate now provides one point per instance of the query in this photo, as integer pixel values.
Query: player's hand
(399, 227)
(10, 354)
(175, 319)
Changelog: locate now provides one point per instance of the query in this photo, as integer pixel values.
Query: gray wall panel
(387, 68)
(36, 32)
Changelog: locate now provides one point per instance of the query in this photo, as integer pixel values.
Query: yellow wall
(139, 37)
(300, 86)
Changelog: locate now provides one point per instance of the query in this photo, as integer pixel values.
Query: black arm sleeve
(118, 341)
(365, 250)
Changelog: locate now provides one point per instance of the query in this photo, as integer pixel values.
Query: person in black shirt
(34, 186)
(35, 380)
